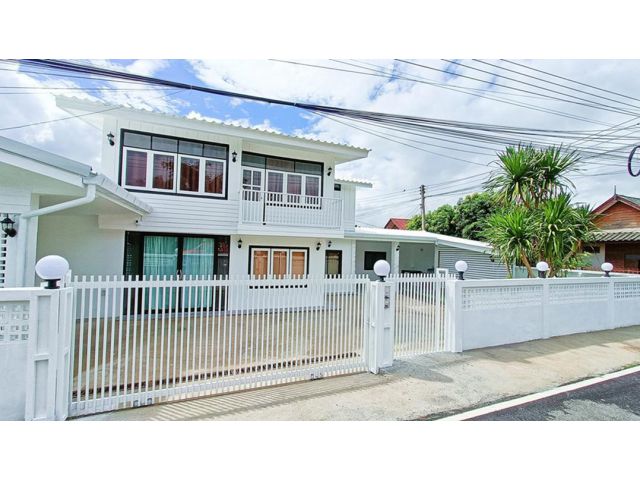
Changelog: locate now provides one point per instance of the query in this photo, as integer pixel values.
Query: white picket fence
(139, 341)
(421, 324)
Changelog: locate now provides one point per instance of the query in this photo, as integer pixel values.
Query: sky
(395, 166)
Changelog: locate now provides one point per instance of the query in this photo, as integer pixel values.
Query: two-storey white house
(178, 196)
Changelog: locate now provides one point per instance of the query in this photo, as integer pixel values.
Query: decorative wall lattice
(489, 298)
(626, 290)
(14, 322)
(578, 292)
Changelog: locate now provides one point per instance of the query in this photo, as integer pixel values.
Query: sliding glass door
(172, 255)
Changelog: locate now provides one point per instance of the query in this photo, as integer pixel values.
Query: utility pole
(423, 191)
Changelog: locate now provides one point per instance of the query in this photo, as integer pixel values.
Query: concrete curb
(539, 396)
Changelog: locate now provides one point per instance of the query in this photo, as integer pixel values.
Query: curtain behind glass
(197, 259)
(160, 258)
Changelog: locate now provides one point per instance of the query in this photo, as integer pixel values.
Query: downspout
(24, 221)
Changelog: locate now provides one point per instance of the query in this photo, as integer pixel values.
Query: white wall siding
(348, 195)
(480, 264)
(89, 249)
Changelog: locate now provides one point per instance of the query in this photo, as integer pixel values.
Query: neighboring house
(172, 195)
(397, 224)
(618, 242)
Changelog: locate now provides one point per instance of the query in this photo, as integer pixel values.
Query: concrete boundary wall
(498, 312)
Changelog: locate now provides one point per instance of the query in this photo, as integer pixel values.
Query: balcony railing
(285, 209)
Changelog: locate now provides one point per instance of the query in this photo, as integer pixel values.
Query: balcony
(284, 209)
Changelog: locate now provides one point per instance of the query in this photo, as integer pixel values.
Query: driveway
(423, 387)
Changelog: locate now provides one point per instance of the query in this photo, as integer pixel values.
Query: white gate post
(48, 355)
(379, 351)
(454, 314)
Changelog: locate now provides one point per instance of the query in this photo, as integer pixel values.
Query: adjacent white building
(178, 196)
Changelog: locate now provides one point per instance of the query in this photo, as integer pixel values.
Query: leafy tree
(465, 219)
(537, 220)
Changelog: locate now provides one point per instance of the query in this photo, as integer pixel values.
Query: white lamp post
(606, 268)
(543, 268)
(461, 267)
(382, 269)
(52, 268)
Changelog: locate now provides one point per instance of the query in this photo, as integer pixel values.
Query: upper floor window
(167, 164)
(285, 180)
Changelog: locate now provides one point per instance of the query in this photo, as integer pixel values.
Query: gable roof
(620, 235)
(633, 202)
(399, 223)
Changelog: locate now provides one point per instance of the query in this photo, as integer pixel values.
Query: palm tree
(511, 234)
(538, 221)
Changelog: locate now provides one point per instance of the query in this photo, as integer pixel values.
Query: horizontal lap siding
(619, 216)
(480, 264)
(175, 213)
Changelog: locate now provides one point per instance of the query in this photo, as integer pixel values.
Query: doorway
(333, 262)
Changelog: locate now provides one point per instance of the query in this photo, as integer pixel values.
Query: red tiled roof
(397, 223)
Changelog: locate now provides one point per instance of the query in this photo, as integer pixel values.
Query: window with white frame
(173, 165)
(286, 181)
(278, 262)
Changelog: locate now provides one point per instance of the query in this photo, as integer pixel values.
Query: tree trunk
(525, 260)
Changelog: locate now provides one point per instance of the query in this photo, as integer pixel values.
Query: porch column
(395, 257)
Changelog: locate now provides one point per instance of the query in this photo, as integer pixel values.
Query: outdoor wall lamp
(52, 268)
(461, 267)
(240, 243)
(607, 268)
(329, 170)
(397, 248)
(233, 156)
(111, 138)
(329, 244)
(382, 269)
(318, 245)
(7, 227)
(542, 268)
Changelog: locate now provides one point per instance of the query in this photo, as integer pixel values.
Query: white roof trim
(355, 181)
(347, 151)
(414, 236)
(106, 187)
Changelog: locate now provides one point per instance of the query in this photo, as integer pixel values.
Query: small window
(592, 249)
(215, 151)
(138, 140)
(163, 166)
(260, 263)
(298, 262)
(251, 160)
(213, 177)
(275, 182)
(136, 169)
(370, 258)
(337, 187)
(280, 164)
(164, 144)
(312, 187)
(309, 168)
(190, 148)
(189, 174)
(279, 263)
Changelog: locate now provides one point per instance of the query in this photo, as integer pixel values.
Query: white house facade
(178, 196)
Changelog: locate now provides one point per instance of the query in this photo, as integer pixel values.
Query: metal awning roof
(622, 235)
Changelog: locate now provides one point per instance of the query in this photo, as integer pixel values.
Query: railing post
(379, 348)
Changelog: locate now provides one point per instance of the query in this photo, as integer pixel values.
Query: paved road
(615, 399)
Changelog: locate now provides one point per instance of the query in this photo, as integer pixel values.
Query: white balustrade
(284, 209)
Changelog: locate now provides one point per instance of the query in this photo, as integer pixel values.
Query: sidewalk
(429, 386)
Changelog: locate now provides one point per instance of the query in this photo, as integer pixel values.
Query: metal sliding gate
(421, 324)
(140, 341)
